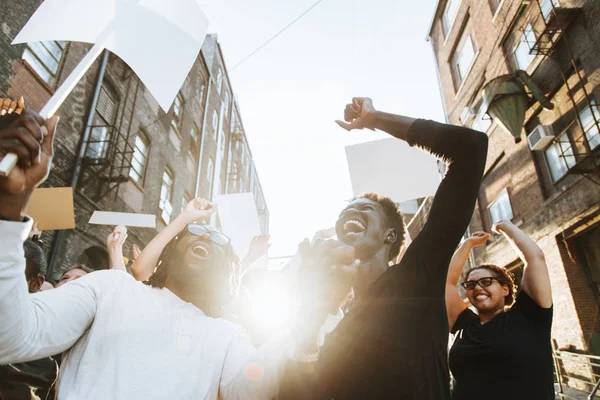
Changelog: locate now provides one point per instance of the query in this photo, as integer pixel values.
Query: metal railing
(588, 374)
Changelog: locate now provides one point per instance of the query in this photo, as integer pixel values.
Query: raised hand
(500, 226)
(258, 248)
(116, 238)
(358, 115)
(478, 239)
(31, 138)
(198, 210)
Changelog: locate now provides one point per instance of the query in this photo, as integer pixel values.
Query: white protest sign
(239, 220)
(392, 168)
(160, 40)
(127, 219)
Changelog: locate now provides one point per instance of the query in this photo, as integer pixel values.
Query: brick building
(118, 149)
(548, 184)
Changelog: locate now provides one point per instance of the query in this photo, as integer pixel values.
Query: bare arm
(114, 244)
(454, 303)
(536, 280)
(196, 210)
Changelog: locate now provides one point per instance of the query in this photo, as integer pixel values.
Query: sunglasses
(483, 282)
(215, 236)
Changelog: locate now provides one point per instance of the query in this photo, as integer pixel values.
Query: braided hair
(169, 256)
(163, 267)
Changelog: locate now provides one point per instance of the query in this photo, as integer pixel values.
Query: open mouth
(202, 251)
(353, 228)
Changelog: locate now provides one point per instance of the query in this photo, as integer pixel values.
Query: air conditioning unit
(540, 137)
(467, 116)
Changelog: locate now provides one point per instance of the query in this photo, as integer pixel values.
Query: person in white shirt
(123, 339)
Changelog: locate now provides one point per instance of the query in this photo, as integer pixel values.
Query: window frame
(100, 122)
(35, 58)
(143, 137)
(448, 25)
(177, 119)
(162, 204)
(524, 41)
(503, 193)
(456, 55)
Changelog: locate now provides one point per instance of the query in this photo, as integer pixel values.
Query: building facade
(548, 184)
(118, 149)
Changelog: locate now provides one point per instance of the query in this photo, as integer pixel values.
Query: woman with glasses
(503, 349)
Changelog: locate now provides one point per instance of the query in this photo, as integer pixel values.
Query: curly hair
(393, 217)
(504, 276)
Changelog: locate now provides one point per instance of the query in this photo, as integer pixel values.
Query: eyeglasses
(483, 282)
(215, 236)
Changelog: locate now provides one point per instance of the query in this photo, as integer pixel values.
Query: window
(219, 80)
(194, 141)
(495, 6)
(501, 208)
(215, 122)
(482, 123)
(523, 56)
(209, 177)
(166, 195)
(450, 13)
(103, 123)
(178, 106)
(546, 7)
(139, 159)
(201, 88)
(466, 58)
(560, 157)
(225, 106)
(589, 119)
(44, 58)
(462, 60)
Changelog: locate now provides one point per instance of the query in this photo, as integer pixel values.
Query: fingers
(48, 144)
(20, 106)
(344, 125)
(19, 141)
(6, 102)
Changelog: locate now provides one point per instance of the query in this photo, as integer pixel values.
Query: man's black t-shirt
(508, 357)
(29, 380)
(393, 344)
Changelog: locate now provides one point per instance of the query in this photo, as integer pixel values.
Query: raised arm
(536, 280)
(454, 303)
(114, 245)
(463, 150)
(197, 210)
(47, 323)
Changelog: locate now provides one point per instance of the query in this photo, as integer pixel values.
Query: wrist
(13, 206)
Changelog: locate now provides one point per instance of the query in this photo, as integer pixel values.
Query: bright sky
(291, 92)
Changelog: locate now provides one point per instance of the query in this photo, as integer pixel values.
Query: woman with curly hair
(503, 349)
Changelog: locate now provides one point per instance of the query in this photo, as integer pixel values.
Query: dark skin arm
(31, 138)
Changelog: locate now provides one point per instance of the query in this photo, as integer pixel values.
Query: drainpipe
(59, 237)
(203, 130)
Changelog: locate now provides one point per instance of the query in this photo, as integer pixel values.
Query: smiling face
(362, 225)
(487, 299)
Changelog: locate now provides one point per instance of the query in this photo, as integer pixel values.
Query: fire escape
(109, 150)
(550, 30)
